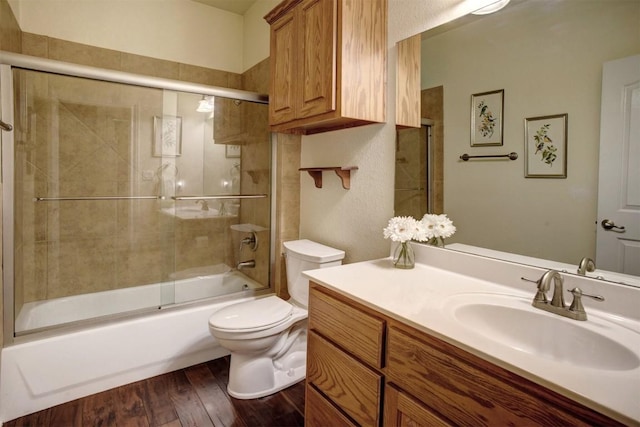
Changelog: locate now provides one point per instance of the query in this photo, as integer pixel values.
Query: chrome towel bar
(511, 156)
(64, 199)
(221, 196)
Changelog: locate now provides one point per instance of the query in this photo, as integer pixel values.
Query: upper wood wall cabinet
(408, 83)
(328, 64)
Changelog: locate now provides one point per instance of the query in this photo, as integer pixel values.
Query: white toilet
(267, 337)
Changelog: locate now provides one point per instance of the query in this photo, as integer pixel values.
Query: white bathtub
(45, 372)
(193, 284)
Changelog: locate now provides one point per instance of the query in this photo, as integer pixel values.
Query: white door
(618, 235)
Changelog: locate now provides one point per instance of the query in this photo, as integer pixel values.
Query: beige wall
(542, 73)
(353, 219)
(212, 39)
(150, 28)
(255, 46)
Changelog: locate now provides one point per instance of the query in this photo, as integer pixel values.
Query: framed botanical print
(167, 136)
(486, 118)
(546, 146)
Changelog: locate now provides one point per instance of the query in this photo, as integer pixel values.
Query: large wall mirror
(545, 59)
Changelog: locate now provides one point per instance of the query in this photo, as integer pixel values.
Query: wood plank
(100, 409)
(190, 409)
(130, 406)
(159, 406)
(68, 414)
(294, 395)
(37, 419)
(216, 401)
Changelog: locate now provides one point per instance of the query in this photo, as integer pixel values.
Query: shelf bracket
(343, 172)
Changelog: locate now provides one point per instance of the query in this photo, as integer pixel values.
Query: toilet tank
(302, 255)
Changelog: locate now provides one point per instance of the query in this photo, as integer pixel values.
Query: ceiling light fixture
(491, 8)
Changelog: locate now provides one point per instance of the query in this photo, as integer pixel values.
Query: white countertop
(422, 297)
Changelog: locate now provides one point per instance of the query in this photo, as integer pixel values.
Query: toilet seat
(252, 316)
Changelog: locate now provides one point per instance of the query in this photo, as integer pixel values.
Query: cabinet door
(402, 410)
(283, 69)
(408, 83)
(317, 34)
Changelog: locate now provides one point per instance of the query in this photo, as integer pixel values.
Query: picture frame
(546, 146)
(232, 151)
(487, 123)
(167, 136)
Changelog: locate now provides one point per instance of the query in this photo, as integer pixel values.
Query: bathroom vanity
(392, 347)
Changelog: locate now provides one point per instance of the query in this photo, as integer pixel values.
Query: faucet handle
(541, 294)
(578, 292)
(576, 305)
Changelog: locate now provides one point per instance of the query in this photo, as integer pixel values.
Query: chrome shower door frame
(7, 139)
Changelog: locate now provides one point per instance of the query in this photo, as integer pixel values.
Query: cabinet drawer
(348, 327)
(348, 383)
(401, 409)
(319, 412)
(469, 394)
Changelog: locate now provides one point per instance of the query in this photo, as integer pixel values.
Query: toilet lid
(255, 315)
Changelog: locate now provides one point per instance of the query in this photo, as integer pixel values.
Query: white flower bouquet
(432, 229)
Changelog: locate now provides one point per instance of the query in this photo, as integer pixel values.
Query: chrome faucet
(204, 203)
(557, 305)
(586, 265)
(246, 264)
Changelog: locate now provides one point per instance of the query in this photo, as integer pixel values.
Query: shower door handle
(5, 126)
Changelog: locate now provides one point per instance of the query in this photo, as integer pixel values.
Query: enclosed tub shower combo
(133, 208)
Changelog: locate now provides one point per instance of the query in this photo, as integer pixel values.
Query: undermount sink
(511, 321)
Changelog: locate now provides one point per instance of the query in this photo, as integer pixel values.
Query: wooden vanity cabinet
(328, 64)
(364, 368)
(344, 361)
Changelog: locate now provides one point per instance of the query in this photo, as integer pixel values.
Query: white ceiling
(235, 6)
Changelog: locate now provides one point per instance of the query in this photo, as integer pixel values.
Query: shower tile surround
(140, 256)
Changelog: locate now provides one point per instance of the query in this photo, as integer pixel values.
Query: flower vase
(403, 256)
(436, 241)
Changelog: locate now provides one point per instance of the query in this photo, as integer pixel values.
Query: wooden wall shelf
(344, 172)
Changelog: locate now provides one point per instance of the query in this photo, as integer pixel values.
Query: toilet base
(281, 381)
(252, 376)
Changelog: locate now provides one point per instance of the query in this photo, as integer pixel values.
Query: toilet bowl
(267, 337)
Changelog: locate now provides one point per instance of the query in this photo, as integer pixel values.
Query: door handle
(610, 225)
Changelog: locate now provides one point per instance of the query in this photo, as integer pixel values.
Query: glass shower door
(128, 199)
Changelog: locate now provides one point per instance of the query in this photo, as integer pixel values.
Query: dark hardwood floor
(195, 396)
